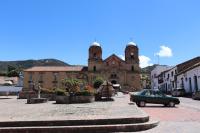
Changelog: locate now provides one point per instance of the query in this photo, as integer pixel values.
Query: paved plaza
(184, 118)
(17, 110)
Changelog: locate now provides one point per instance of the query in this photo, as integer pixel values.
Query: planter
(62, 100)
(74, 99)
(36, 100)
(82, 99)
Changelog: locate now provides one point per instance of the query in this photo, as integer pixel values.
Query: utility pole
(158, 59)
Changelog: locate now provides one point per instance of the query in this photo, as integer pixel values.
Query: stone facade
(114, 69)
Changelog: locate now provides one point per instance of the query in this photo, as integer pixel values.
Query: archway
(114, 82)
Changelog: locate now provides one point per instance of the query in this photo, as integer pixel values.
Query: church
(113, 68)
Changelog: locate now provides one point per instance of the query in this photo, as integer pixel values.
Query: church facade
(114, 69)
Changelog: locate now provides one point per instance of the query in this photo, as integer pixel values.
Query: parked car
(153, 96)
(196, 95)
(177, 92)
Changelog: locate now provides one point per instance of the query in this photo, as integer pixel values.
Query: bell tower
(95, 57)
(131, 53)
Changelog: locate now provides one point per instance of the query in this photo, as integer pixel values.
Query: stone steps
(82, 128)
(79, 126)
(129, 120)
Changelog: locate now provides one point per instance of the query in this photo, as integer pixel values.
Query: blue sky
(64, 29)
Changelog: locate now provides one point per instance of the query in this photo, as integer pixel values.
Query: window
(95, 55)
(113, 62)
(55, 76)
(113, 76)
(40, 78)
(132, 68)
(94, 68)
(182, 83)
(30, 77)
(147, 93)
(172, 73)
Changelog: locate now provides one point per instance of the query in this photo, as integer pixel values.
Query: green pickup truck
(153, 96)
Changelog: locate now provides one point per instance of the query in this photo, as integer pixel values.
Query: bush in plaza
(47, 91)
(61, 92)
(97, 82)
(87, 91)
(71, 85)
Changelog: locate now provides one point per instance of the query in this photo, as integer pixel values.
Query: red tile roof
(54, 69)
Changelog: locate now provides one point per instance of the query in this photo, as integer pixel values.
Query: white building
(167, 80)
(189, 79)
(155, 73)
(184, 75)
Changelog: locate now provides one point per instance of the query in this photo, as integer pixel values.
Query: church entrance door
(114, 82)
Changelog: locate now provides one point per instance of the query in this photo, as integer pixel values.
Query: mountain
(148, 69)
(30, 63)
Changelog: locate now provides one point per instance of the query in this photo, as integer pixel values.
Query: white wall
(154, 75)
(189, 74)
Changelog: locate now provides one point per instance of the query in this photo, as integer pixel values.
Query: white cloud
(145, 61)
(122, 57)
(164, 52)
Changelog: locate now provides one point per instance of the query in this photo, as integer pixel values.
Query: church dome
(132, 43)
(95, 44)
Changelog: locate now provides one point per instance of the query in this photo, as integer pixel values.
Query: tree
(12, 71)
(98, 82)
(11, 68)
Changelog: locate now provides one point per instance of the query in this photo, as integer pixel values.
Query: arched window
(132, 68)
(94, 68)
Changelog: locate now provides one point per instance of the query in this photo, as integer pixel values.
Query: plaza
(182, 118)
(104, 113)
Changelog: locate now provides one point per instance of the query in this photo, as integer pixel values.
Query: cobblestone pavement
(16, 109)
(184, 118)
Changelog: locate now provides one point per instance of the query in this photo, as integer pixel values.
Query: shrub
(47, 91)
(89, 89)
(97, 82)
(72, 85)
(61, 92)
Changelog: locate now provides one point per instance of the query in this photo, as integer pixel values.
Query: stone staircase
(79, 126)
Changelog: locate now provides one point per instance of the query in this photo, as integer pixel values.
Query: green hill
(20, 65)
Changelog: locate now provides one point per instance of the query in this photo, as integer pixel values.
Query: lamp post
(39, 90)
